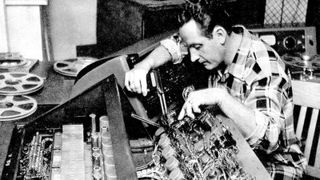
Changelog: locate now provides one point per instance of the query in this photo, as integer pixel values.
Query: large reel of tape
(71, 67)
(16, 107)
(19, 83)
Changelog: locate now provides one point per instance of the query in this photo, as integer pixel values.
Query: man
(253, 89)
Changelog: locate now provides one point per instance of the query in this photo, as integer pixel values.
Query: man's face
(208, 51)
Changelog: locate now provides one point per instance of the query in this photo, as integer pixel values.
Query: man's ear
(220, 33)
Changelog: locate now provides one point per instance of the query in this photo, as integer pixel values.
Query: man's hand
(136, 81)
(208, 96)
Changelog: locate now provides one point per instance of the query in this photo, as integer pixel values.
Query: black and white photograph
(159, 90)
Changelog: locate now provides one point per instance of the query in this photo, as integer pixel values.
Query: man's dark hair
(208, 13)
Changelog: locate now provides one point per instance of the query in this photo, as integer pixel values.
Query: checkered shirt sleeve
(265, 87)
(270, 96)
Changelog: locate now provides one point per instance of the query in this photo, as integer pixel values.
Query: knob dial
(289, 42)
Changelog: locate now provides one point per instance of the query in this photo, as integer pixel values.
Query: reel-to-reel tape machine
(303, 67)
(15, 83)
(298, 49)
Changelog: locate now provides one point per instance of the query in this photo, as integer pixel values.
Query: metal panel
(120, 144)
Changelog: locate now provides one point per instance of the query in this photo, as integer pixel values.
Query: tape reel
(16, 107)
(11, 60)
(19, 83)
(71, 67)
(13, 63)
(310, 63)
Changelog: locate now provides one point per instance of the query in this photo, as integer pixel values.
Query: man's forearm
(156, 58)
(240, 114)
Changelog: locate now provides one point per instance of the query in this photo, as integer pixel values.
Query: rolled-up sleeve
(175, 47)
(266, 134)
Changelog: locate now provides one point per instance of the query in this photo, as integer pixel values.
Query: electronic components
(55, 155)
(200, 148)
(195, 149)
(168, 81)
(98, 145)
(36, 157)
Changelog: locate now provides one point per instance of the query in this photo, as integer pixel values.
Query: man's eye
(197, 47)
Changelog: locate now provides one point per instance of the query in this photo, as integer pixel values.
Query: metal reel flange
(12, 63)
(16, 107)
(71, 67)
(11, 60)
(19, 83)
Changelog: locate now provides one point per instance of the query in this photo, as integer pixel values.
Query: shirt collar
(236, 68)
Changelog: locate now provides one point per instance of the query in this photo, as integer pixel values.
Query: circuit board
(201, 148)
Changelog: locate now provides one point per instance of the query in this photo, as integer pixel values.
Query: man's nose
(194, 55)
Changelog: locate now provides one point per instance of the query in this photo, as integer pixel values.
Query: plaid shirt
(257, 78)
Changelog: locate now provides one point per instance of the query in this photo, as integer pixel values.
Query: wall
(3, 28)
(20, 27)
(71, 23)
